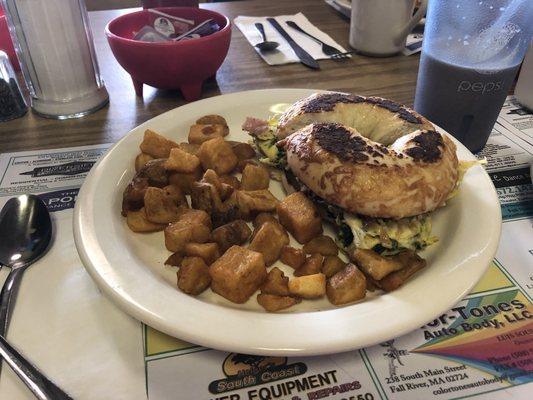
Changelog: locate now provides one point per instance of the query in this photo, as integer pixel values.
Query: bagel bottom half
(385, 236)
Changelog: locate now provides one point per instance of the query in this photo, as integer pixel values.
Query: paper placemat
(61, 322)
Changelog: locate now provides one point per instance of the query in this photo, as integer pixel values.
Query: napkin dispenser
(56, 52)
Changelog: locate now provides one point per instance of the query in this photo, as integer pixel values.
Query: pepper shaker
(12, 104)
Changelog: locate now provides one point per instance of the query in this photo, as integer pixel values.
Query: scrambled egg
(265, 143)
(388, 236)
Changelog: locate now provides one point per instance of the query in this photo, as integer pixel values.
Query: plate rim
(131, 307)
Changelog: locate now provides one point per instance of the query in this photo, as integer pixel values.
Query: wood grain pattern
(93, 5)
(392, 77)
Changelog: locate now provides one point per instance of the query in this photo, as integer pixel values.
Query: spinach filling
(384, 236)
(265, 144)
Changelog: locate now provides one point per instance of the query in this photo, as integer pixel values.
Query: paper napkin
(284, 54)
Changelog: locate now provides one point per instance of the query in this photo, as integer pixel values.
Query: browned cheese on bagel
(412, 176)
(380, 119)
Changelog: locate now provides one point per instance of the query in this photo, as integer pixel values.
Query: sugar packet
(169, 25)
(149, 34)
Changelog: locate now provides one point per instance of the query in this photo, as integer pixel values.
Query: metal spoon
(40, 385)
(25, 232)
(265, 45)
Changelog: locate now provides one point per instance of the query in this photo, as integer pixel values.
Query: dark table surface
(243, 69)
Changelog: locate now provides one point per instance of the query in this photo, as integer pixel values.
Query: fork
(343, 56)
(326, 48)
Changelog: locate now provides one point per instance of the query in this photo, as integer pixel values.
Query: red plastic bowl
(180, 65)
(5, 41)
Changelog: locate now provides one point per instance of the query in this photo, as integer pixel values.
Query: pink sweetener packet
(169, 25)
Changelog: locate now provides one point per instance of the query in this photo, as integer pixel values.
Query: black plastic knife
(304, 56)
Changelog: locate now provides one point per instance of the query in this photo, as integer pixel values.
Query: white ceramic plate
(129, 268)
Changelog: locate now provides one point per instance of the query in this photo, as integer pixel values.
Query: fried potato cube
(161, 206)
(243, 163)
(192, 216)
(181, 161)
(230, 180)
(234, 233)
(300, 217)
(243, 151)
(200, 133)
(224, 191)
(150, 174)
(137, 222)
(175, 193)
(276, 283)
(255, 201)
(273, 303)
(185, 181)
(210, 176)
(308, 286)
(332, 265)
(373, 264)
(193, 276)
(346, 286)
(200, 233)
(411, 263)
(216, 154)
(269, 241)
(141, 160)
(133, 195)
(323, 245)
(206, 251)
(190, 148)
(371, 284)
(205, 196)
(292, 257)
(263, 217)
(255, 177)
(179, 233)
(177, 236)
(311, 266)
(155, 173)
(174, 259)
(237, 274)
(156, 145)
(212, 119)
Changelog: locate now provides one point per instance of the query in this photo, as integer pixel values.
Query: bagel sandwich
(375, 168)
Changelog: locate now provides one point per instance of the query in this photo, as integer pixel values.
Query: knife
(304, 56)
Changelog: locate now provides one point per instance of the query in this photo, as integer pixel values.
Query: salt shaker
(56, 50)
(12, 104)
